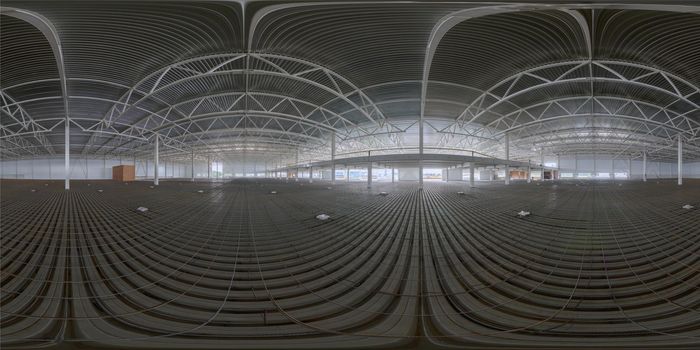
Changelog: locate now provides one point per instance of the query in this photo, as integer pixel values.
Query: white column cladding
(680, 160)
(420, 151)
(67, 150)
(644, 166)
(529, 171)
(507, 174)
(155, 160)
(192, 165)
(542, 164)
(471, 174)
(629, 167)
(558, 168)
(333, 157)
(595, 167)
(369, 169)
(296, 176)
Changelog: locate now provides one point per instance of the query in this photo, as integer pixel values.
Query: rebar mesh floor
(595, 264)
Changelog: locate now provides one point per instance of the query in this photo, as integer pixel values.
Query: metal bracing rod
(216, 70)
(569, 77)
(553, 110)
(228, 110)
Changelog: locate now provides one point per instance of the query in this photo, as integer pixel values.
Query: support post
(192, 165)
(558, 168)
(471, 174)
(529, 171)
(507, 177)
(629, 167)
(333, 158)
(155, 160)
(209, 167)
(311, 174)
(420, 152)
(392, 174)
(542, 164)
(644, 166)
(296, 176)
(347, 173)
(67, 155)
(680, 160)
(369, 169)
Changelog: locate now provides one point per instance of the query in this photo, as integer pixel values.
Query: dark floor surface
(596, 264)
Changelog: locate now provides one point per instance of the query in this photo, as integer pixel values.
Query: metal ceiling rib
(608, 78)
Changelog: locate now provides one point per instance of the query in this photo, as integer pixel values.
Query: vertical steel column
(392, 174)
(420, 152)
(471, 174)
(644, 167)
(558, 168)
(192, 165)
(529, 171)
(347, 173)
(311, 174)
(680, 160)
(67, 150)
(296, 177)
(209, 167)
(542, 164)
(369, 169)
(595, 167)
(155, 159)
(629, 167)
(507, 176)
(333, 157)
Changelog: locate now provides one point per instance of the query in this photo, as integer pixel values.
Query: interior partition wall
(86, 168)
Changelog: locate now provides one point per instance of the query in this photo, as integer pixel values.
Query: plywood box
(123, 173)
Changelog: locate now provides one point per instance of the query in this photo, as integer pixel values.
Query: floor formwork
(232, 265)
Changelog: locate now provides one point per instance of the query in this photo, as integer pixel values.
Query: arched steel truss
(171, 102)
(273, 115)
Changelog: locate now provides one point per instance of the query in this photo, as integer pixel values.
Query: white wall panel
(408, 174)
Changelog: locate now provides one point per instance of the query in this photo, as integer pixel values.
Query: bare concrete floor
(595, 265)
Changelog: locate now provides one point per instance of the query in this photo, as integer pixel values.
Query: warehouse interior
(349, 174)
